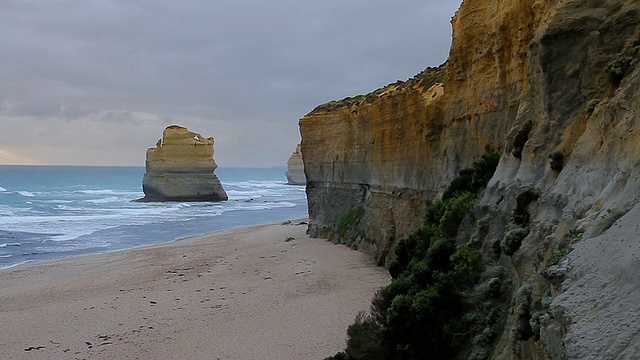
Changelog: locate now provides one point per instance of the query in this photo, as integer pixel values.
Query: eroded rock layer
(181, 168)
(552, 86)
(295, 168)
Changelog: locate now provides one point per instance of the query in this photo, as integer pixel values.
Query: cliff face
(180, 168)
(375, 153)
(295, 168)
(552, 86)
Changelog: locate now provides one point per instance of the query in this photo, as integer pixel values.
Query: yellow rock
(295, 168)
(181, 168)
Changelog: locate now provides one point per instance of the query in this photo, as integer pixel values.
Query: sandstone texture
(552, 86)
(181, 168)
(295, 168)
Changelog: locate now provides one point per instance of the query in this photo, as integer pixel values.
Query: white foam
(98, 192)
(58, 201)
(107, 200)
(25, 193)
(9, 244)
(2, 189)
(14, 265)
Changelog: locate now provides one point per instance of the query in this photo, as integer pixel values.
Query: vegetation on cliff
(554, 86)
(426, 78)
(436, 306)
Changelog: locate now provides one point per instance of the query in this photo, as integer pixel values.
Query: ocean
(53, 212)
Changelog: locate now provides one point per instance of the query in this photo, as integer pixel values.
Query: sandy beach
(246, 293)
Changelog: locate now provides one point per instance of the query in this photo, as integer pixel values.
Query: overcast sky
(94, 82)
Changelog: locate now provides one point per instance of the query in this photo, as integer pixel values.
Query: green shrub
(473, 179)
(455, 211)
(524, 309)
(625, 62)
(483, 170)
(461, 184)
(513, 239)
(364, 339)
(467, 261)
(338, 356)
(407, 248)
(425, 312)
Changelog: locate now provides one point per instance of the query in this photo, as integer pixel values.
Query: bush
(624, 63)
(407, 248)
(425, 313)
(513, 239)
(338, 356)
(484, 170)
(467, 261)
(523, 330)
(455, 211)
(364, 339)
(474, 179)
(461, 184)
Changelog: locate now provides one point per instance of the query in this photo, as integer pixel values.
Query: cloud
(36, 108)
(233, 69)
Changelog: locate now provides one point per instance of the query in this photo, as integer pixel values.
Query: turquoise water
(50, 212)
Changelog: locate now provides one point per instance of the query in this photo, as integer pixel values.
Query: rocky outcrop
(551, 85)
(181, 168)
(295, 168)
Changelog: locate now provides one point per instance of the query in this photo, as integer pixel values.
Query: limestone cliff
(552, 85)
(181, 168)
(295, 168)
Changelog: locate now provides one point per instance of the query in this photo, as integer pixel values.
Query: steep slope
(552, 86)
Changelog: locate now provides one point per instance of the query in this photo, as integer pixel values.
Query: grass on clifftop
(426, 78)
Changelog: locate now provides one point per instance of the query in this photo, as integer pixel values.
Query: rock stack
(295, 168)
(181, 168)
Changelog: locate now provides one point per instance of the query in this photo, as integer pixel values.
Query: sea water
(51, 212)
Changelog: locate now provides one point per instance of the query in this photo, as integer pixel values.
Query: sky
(94, 82)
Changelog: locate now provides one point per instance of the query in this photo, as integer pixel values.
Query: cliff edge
(181, 168)
(551, 86)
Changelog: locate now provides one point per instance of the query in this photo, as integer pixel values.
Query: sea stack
(181, 168)
(295, 168)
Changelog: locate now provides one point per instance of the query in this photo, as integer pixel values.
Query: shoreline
(250, 292)
(27, 263)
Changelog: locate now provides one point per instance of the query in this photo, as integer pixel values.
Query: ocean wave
(2, 189)
(15, 265)
(25, 193)
(57, 201)
(98, 192)
(107, 200)
(70, 208)
(6, 211)
(3, 256)
(10, 244)
(252, 184)
(252, 206)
